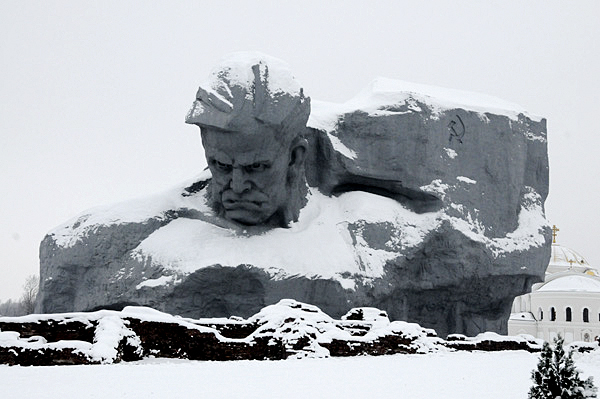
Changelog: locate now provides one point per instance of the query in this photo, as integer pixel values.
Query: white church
(566, 303)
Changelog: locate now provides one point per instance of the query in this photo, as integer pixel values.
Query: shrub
(557, 377)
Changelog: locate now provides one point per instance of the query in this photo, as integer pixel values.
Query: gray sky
(93, 94)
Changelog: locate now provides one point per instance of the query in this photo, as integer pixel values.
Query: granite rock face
(422, 202)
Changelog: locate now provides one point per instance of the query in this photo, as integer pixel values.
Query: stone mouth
(231, 205)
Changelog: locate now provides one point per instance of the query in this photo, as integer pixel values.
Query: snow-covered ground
(441, 375)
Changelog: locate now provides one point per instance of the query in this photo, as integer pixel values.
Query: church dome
(565, 259)
(572, 282)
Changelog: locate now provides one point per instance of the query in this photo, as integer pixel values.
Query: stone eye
(255, 167)
(224, 167)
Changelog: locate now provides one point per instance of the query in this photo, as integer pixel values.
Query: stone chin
(245, 216)
(253, 214)
(250, 209)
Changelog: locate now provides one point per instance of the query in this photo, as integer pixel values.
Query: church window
(568, 314)
(586, 315)
(540, 314)
(552, 314)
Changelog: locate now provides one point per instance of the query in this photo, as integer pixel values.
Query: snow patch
(529, 232)
(340, 147)
(450, 152)
(133, 211)
(238, 69)
(535, 137)
(436, 187)
(319, 245)
(382, 93)
(466, 180)
(530, 228)
(163, 280)
(111, 330)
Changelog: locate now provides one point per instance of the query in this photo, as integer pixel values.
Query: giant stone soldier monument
(425, 202)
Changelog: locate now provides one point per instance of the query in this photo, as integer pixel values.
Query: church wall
(529, 327)
(522, 303)
(577, 328)
(532, 313)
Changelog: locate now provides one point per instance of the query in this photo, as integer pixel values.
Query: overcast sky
(93, 94)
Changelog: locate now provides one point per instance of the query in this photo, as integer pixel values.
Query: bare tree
(30, 292)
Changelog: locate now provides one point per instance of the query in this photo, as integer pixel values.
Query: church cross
(554, 231)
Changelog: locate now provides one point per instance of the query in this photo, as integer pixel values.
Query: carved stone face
(253, 174)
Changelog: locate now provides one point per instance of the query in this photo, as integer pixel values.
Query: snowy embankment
(461, 375)
(288, 329)
(438, 368)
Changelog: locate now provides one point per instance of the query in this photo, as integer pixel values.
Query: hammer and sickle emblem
(457, 129)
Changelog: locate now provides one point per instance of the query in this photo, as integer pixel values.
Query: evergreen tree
(556, 376)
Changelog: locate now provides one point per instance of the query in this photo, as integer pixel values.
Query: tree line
(26, 304)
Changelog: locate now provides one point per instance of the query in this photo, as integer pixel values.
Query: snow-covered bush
(557, 377)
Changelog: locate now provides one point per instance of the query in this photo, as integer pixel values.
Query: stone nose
(239, 181)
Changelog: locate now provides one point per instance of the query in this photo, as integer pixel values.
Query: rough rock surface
(428, 205)
(284, 330)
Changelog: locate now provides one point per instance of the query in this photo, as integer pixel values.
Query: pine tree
(556, 376)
